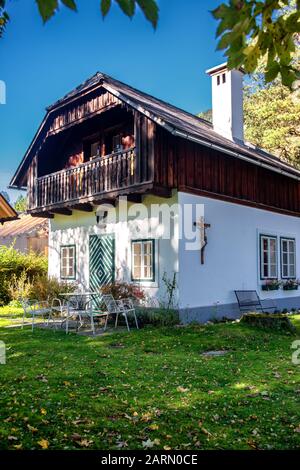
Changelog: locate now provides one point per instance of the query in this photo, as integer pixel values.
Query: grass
(150, 389)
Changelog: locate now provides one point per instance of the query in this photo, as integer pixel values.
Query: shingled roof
(7, 212)
(26, 224)
(173, 119)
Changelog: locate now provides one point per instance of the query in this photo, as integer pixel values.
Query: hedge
(14, 265)
(269, 321)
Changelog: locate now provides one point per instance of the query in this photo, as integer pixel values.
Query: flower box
(267, 287)
(290, 287)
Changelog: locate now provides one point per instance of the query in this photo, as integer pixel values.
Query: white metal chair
(119, 307)
(128, 308)
(35, 308)
(111, 306)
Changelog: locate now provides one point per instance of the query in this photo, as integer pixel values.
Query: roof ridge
(103, 76)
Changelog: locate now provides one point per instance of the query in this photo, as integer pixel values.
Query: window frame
(287, 239)
(68, 278)
(273, 237)
(142, 241)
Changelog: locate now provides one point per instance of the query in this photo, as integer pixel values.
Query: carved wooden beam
(137, 198)
(45, 215)
(61, 211)
(85, 207)
(105, 200)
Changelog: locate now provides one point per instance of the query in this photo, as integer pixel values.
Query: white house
(139, 190)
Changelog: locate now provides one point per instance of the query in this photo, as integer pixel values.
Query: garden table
(79, 304)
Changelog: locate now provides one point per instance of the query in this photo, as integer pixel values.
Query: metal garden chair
(127, 307)
(248, 300)
(35, 308)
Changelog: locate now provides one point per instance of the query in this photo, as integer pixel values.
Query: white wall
(232, 253)
(77, 228)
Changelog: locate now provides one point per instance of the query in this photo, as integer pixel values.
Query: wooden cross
(202, 226)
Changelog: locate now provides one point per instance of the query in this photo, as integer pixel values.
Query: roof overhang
(7, 212)
(257, 157)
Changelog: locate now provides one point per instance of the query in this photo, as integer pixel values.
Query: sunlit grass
(122, 390)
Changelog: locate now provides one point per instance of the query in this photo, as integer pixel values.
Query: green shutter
(102, 261)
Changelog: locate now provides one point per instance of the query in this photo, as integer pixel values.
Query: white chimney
(227, 102)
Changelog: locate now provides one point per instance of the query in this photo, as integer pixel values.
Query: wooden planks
(186, 165)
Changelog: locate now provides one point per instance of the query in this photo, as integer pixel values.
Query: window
(117, 143)
(268, 257)
(95, 149)
(142, 260)
(68, 262)
(224, 77)
(218, 79)
(288, 258)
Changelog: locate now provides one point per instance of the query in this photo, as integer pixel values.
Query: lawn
(152, 388)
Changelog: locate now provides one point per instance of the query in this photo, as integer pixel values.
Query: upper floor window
(142, 260)
(288, 257)
(268, 257)
(68, 262)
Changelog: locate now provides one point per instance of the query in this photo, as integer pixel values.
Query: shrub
(275, 322)
(44, 288)
(15, 265)
(19, 287)
(124, 290)
(157, 317)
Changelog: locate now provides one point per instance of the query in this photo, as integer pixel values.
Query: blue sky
(41, 63)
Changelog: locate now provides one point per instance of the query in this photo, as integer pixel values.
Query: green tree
(272, 118)
(21, 204)
(252, 29)
(206, 115)
(272, 121)
(48, 8)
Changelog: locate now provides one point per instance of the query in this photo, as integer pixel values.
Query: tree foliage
(248, 30)
(21, 204)
(4, 18)
(272, 118)
(251, 29)
(48, 8)
(272, 121)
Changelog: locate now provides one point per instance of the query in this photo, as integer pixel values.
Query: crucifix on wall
(203, 236)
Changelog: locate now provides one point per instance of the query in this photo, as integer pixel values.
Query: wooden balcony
(113, 174)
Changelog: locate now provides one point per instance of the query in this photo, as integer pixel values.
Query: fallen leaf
(182, 389)
(31, 428)
(85, 443)
(43, 443)
(153, 427)
(148, 444)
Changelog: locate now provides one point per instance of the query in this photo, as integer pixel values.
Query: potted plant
(271, 284)
(290, 284)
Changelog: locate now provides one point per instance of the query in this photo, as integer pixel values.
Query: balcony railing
(96, 177)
